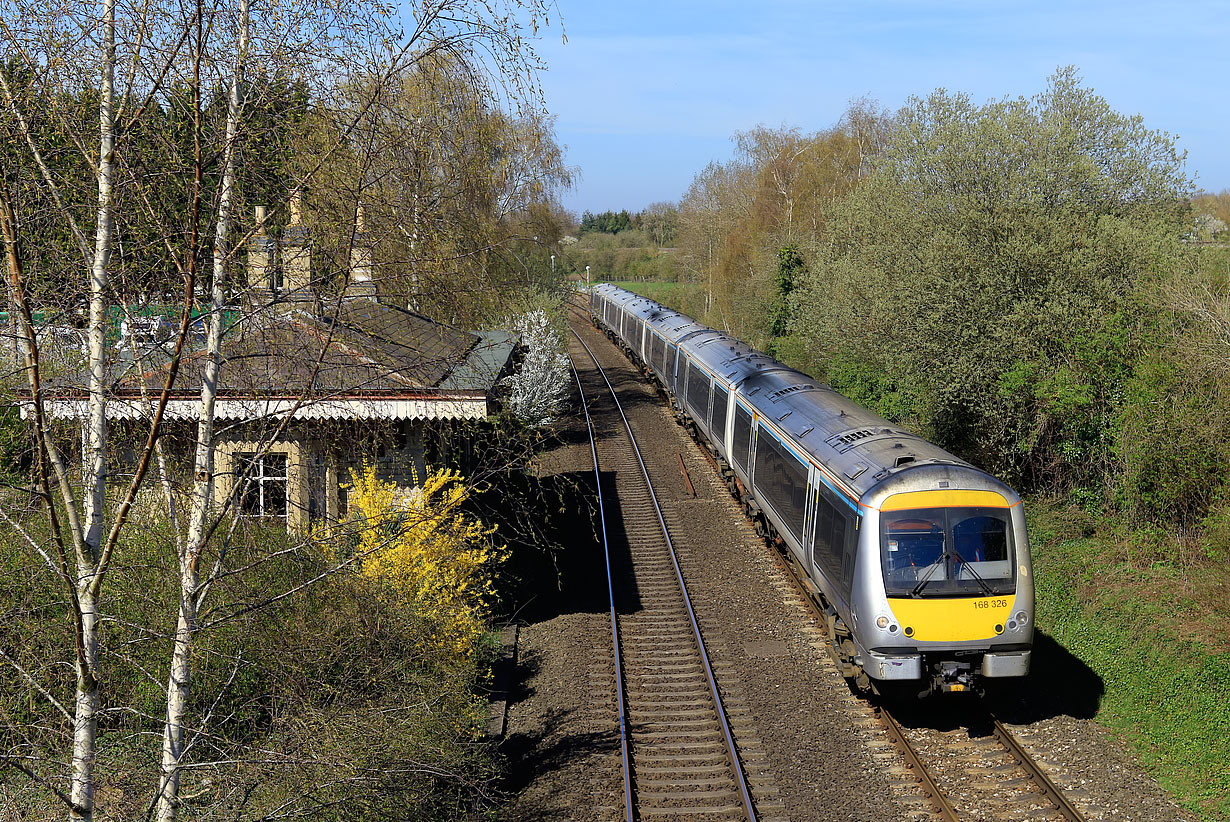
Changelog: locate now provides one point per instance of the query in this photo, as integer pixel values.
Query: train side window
(848, 552)
(822, 550)
(743, 436)
(698, 395)
(837, 545)
(721, 398)
(781, 481)
(832, 542)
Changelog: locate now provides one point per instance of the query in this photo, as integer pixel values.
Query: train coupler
(952, 677)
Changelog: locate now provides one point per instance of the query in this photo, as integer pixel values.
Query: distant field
(686, 297)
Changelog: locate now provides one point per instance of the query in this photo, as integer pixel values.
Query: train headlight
(1022, 617)
(886, 624)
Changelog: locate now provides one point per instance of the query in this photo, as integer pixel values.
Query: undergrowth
(1154, 630)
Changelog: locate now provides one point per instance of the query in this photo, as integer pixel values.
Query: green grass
(686, 297)
(1160, 653)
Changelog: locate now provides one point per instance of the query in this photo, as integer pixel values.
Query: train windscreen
(944, 552)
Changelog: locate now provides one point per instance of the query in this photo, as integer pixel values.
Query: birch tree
(173, 119)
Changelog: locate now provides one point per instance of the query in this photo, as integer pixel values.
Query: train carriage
(920, 559)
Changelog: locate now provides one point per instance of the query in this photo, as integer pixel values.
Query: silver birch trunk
(85, 722)
(179, 682)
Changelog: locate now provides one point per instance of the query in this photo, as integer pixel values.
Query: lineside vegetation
(1034, 284)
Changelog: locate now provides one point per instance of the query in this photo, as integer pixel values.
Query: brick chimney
(297, 255)
(262, 261)
(359, 283)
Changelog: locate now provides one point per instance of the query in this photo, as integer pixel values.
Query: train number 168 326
(990, 603)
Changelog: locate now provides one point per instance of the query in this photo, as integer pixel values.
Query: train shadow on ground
(1058, 684)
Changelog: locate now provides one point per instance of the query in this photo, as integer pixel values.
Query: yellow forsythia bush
(426, 551)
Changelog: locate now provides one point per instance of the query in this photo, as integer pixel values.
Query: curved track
(680, 760)
(978, 771)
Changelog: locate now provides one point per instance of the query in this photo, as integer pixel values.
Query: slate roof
(359, 349)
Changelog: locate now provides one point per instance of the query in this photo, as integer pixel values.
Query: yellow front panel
(944, 499)
(952, 620)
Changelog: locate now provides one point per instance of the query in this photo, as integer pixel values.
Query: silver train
(919, 559)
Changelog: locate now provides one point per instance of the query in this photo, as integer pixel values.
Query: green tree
(789, 266)
(982, 282)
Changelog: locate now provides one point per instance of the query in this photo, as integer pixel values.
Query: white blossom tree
(540, 388)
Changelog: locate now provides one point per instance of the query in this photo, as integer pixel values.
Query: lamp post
(587, 275)
(552, 267)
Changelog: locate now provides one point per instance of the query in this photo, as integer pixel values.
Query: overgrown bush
(314, 692)
(426, 551)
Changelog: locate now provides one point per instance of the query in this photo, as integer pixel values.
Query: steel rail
(1066, 809)
(610, 590)
(736, 765)
(914, 763)
(931, 790)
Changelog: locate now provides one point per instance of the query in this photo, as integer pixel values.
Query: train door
(741, 441)
(720, 411)
(809, 525)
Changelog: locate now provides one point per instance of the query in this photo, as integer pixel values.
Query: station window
(262, 494)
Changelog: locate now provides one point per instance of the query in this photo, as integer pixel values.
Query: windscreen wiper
(982, 583)
(926, 576)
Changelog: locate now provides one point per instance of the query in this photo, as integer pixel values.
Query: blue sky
(647, 93)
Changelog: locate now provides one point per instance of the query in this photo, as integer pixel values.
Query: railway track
(976, 769)
(973, 770)
(678, 753)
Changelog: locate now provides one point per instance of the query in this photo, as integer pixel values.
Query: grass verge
(1154, 630)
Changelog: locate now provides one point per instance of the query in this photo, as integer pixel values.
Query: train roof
(858, 447)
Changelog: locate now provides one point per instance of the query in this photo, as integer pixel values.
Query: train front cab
(944, 596)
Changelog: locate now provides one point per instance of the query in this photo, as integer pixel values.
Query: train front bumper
(1011, 663)
(889, 666)
(995, 664)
